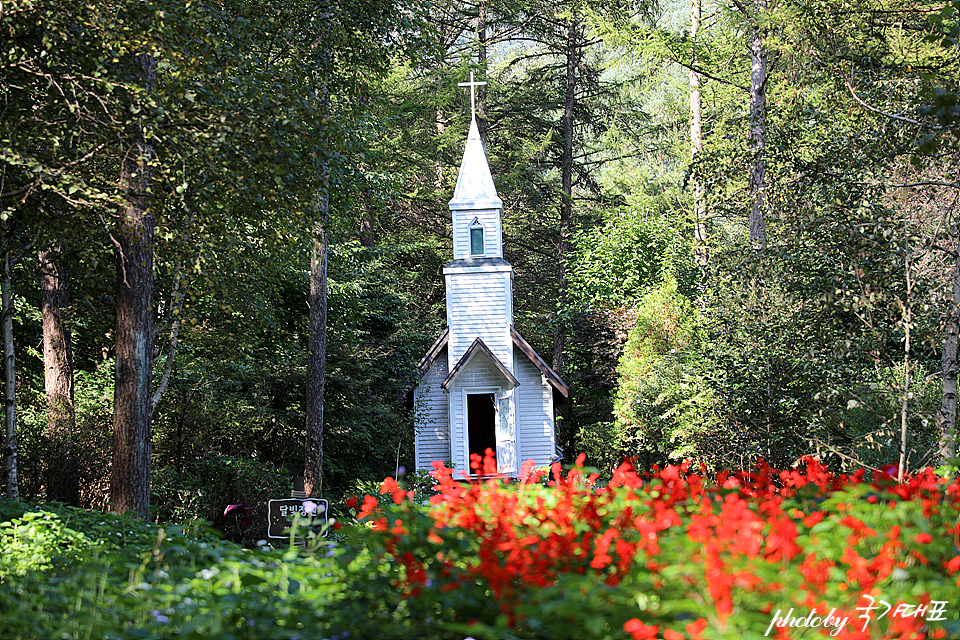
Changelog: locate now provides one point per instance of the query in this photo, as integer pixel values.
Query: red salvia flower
(726, 534)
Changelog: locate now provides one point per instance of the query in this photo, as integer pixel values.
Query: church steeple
(475, 206)
(475, 188)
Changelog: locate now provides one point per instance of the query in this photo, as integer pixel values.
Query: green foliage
(75, 464)
(795, 349)
(617, 263)
(37, 541)
(869, 426)
(664, 404)
(151, 582)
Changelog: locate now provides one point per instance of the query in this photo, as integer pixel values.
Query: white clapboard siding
(535, 429)
(480, 376)
(492, 242)
(431, 406)
(478, 305)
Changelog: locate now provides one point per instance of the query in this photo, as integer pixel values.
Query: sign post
(281, 514)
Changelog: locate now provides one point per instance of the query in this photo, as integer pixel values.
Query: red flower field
(677, 553)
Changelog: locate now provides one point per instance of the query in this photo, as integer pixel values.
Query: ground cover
(674, 554)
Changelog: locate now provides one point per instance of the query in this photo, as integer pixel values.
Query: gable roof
(552, 377)
(478, 347)
(561, 391)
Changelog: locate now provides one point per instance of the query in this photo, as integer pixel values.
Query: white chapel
(481, 384)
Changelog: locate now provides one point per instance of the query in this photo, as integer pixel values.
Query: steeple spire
(475, 188)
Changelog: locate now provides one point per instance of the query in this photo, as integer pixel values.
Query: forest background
(732, 224)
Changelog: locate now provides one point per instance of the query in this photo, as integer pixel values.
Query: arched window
(476, 238)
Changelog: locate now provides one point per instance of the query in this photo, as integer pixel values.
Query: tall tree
(319, 252)
(701, 252)
(482, 64)
(130, 469)
(348, 45)
(756, 137)
(317, 356)
(10, 444)
(55, 119)
(947, 413)
(572, 52)
(58, 378)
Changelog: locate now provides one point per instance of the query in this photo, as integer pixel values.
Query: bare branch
(706, 74)
(950, 252)
(927, 183)
(889, 115)
(123, 258)
(845, 456)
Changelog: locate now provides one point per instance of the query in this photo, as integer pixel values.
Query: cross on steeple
(473, 100)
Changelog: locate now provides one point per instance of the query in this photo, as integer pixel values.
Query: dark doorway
(481, 417)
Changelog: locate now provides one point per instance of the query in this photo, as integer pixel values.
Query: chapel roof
(479, 347)
(440, 346)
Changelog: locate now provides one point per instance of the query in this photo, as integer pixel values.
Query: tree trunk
(441, 129)
(906, 320)
(62, 475)
(701, 253)
(566, 183)
(317, 329)
(368, 237)
(482, 63)
(130, 471)
(757, 133)
(906, 316)
(313, 468)
(947, 415)
(10, 385)
(905, 400)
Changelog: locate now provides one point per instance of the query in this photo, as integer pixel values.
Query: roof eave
(552, 376)
(430, 357)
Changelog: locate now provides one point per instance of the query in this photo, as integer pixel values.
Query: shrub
(673, 555)
(664, 403)
(69, 465)
(129, 579)
(204, 488)
(618, 262)
(35, 541)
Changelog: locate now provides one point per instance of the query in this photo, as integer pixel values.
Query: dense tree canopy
(775, 273)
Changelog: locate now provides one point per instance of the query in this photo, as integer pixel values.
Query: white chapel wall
(432, 440)
(535, 431)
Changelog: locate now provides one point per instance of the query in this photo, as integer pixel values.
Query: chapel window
(476, 238)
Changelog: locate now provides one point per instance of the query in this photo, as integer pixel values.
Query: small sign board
(281, 514)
